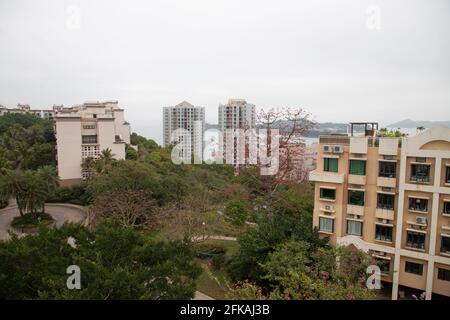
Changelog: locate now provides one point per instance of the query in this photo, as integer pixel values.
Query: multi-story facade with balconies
(389, 197)
(183, 127)
(84, 131)
(234, 118)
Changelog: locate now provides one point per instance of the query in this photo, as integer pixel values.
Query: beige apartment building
(389, 197)
(84, 131)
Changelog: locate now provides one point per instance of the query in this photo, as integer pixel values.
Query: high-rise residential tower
(84, 131)
(235, 116)
(389, 197)
(183, 127)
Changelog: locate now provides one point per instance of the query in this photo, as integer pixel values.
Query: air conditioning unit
(338, 149)
(326, 148)
(329, 207)
(421, 220)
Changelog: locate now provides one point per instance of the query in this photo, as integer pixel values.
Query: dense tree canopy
(115, 263)
(26, 142)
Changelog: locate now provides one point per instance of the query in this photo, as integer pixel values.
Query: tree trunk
(19, 206)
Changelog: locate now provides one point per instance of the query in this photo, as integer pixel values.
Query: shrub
(32, 220)
(218, 261)
(237, 211)
(76, 194)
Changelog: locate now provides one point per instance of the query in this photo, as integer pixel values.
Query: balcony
(358, 145)
(388, 146)
(356, 179)
(386, 182)
(385, 214)
(357, 210)
(317, 176)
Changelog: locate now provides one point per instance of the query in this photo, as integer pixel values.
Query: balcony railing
(317, 176)
(420, 179)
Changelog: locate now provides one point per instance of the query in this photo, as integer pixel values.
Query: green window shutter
(329, 194)
(356, 197)
(358, 167)
(330, 165)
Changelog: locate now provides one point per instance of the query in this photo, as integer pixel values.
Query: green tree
(33, 192)
(11, 186)
(115, 263)
(50, 180)
(237, 210)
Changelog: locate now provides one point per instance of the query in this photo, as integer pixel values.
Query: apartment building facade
(389, 197)
(47, 114)
(183, 127)
(235, 116)
(85, 130)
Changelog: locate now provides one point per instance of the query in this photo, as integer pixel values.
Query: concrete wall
(68, 135)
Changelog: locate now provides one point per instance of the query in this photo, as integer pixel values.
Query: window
(358, 167)
(387, 169)
(383, 233)
(384, 265)
(385, 201)
(356, 197)
(447, 175)
(415, 240)
(330, 165)
(414, 268)
(444, 274)
(445, 245)
(328, 194)
(354, 227)
(418, 204)
(446, 207)
(420, 172)
(89, 139)
(326, 224)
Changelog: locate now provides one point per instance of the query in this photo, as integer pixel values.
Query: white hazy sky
(320, 55)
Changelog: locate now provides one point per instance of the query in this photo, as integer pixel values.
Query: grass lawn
(29, 220)
(212, 282)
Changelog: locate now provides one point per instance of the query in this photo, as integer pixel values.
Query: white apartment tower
(84, 131)
(183, 126)
(235, 115)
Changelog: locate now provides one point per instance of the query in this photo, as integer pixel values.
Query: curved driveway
(60, 212)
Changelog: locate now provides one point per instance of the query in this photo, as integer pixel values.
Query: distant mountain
(408, 123)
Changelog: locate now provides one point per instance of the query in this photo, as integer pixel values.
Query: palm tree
(50, 179)
(34, 192)
(11, 186)
(106, 160)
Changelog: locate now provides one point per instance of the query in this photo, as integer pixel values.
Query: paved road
(60, 212)
(201, 296)
(215, 238)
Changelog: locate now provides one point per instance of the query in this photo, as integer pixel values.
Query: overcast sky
(334, 58)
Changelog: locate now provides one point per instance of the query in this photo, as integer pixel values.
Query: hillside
(408, 123)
